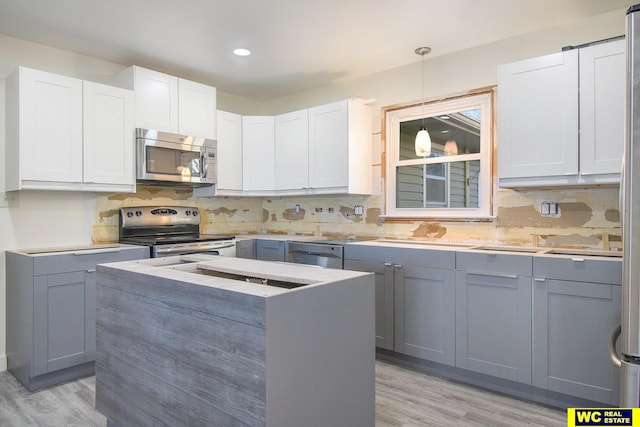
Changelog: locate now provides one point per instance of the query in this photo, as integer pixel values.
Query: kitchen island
(233, 341)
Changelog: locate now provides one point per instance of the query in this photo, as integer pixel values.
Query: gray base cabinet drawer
(51, 321)
(579, 269)
(491, 262)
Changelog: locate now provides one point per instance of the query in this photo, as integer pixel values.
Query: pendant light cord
(422, 95)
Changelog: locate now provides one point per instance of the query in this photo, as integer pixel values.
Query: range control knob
(188, 212)
(138, 213)
(129, 214)
(195, 213)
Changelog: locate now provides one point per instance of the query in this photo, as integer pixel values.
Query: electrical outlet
(549, 209)
(318, 209)
(358, 210)
(297, 209)
(330, 210)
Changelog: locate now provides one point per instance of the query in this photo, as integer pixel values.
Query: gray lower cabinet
(425, 313)
(246, 248)
(493, 314)
(384, 297)
(51, 312)
(271, 250)
(415, 298)
(577, 304)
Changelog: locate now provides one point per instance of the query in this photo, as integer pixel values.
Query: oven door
(176, 159)
(221, 248)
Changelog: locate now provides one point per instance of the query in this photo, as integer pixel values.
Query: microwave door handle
(203, 164)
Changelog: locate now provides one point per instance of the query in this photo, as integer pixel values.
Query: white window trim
(397, 116)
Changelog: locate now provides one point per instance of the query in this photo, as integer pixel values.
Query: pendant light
(423, 139)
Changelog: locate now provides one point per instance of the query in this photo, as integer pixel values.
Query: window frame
(394, 116)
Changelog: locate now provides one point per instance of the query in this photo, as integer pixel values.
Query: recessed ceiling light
(242, 52)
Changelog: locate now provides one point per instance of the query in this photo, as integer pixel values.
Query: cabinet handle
(397, 265)
(538, 279)
(387, 264)
(91, 270)
(482, 273)
(577, 259)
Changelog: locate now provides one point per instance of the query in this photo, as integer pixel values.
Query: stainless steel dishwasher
(323, 253)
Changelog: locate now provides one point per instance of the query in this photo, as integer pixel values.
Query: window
(454, 181)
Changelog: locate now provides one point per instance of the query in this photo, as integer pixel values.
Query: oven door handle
(319, 254)
(183, 250)
(203, 164)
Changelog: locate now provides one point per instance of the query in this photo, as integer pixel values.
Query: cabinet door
(196, 109)
(384, 298)
(108, 135)
(328, 145)
(573, 322)
(270, 250)
(493, 324)
(258, 153)
(50, 127)
(156, 99)
(425, 313)
(538, 117)
(246, 248)
(292, 151)
(602, 101)
(229, 136)
(59, 325)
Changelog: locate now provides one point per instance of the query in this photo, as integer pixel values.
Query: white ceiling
(297, 45)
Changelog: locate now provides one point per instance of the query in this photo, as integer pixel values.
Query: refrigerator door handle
(615, 334)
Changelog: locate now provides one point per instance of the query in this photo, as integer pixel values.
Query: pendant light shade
(423, 143)
(450, 148)
(423, 139)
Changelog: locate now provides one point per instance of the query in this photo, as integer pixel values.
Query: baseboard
(3, 362)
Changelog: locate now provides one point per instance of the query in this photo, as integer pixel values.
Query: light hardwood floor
(403, 398)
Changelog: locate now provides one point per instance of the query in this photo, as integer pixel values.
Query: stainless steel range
(171, 230)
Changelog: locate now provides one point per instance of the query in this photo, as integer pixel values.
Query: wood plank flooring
(403, 398)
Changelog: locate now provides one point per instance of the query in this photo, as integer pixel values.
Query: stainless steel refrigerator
(630, 222)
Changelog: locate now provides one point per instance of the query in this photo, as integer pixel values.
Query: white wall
(44, 219)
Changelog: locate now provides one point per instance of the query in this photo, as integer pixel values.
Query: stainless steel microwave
(174, 159)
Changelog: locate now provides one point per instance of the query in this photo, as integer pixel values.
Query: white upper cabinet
(561, 118)
(196, 109)
(229, 139)
(538, 117)
(292, 151)
(602, 95)
(258, 153)
(57, 140)
(108, 135)
(320, 150)
(170, 104)
(340, 148)
(156, 97)
(44, 129)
